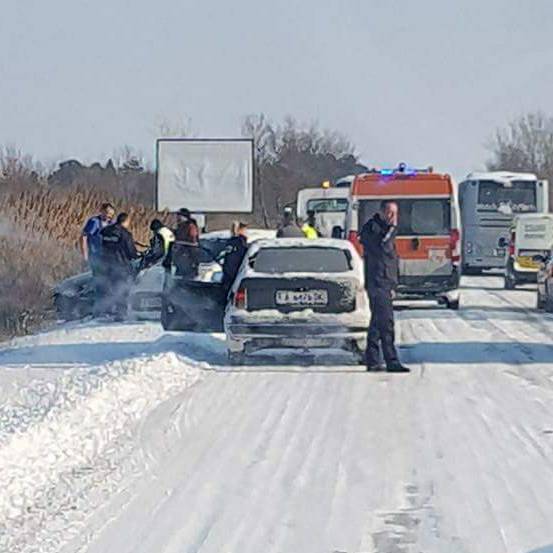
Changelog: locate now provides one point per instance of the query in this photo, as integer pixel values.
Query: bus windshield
(417, 217)
(518, 198)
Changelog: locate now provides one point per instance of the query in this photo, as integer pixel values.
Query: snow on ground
(121, 438)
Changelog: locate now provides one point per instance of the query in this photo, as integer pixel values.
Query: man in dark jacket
(381, 278)
(236, 249)
(185, 251)
(289, 228)
(118, 253)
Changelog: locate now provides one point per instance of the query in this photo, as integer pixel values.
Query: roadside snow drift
(58, 431)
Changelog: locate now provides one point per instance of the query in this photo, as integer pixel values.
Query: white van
(531, 234)
(330, 206)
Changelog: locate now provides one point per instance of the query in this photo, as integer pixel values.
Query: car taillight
(512, 244)
(454, 244)
(354, 239)
(241, 298)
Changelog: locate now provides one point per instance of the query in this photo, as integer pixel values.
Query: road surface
(120, 438)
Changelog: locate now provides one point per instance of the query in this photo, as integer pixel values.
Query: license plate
(437, 255)
(149, 304)
(527, 262)
(305, 297)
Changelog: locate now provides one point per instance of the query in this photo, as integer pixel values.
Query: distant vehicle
(344, 182)
(289, 293)
(545, 281)
(330, 206)
(489, 202)
(531, 235)
(428, 237)
(74, 297)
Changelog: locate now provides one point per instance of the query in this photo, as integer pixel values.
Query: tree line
(289, 155)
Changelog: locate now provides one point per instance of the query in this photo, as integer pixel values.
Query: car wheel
(236, 358)
(359, 353)
(471, 271)
(66, 308)
(452, 304)
(548, 304)
(169, 318)
(510, 283)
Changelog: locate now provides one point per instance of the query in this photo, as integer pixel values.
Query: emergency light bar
(402, 169)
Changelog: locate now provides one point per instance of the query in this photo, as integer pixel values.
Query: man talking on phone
(381, 278)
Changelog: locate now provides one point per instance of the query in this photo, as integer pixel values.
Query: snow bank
(56, 431)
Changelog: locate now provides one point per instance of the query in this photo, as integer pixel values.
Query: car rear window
(301, 260)
(417, 217)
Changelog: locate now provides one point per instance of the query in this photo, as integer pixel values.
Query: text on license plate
(305, 297)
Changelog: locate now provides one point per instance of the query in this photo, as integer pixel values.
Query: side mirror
(502, 242)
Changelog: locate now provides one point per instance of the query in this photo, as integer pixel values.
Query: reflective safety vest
(309, 231)
(168, 238)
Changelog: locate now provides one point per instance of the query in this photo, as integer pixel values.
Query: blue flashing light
(402, 169)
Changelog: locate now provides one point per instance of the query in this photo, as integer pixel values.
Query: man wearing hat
(236, 249)
(186, 249)
(289, 227)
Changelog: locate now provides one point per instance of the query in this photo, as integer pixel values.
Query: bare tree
(174, 127)
(18, 170)
(293, 155)
(526, 144)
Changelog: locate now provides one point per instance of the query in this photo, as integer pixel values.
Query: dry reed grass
(39, 230)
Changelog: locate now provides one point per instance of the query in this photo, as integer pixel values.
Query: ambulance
(428, 236)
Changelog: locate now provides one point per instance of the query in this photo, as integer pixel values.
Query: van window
(328, 205)
(424, 217)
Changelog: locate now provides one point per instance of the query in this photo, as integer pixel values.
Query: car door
(193, 305)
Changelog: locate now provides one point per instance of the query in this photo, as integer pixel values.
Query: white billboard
(205, 175)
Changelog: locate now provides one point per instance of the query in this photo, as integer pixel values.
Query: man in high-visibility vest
(309, 228)
(160, 242)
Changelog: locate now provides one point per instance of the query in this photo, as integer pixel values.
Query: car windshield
(327, 205)
(424, 217)
(301, 260)
(495, 196)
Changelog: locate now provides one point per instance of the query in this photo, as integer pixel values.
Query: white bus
(489, 202)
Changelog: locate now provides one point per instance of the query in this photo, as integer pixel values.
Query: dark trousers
(381, 334)
(99, 282)
(119, 290)
(186, 260)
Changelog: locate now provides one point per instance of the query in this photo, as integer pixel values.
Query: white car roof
(304, 243)
(251, 233)
(344, 245)
(501, 176)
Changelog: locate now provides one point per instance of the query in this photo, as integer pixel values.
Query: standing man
(160, 243)
(186, 251)
(309, 228)
(289, 228)
(236, 249)
(118, 252)
(90, 244)
(381, 278)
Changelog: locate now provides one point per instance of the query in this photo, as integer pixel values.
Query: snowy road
(125, 439)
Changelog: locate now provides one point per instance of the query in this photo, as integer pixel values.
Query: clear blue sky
(424, 81)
